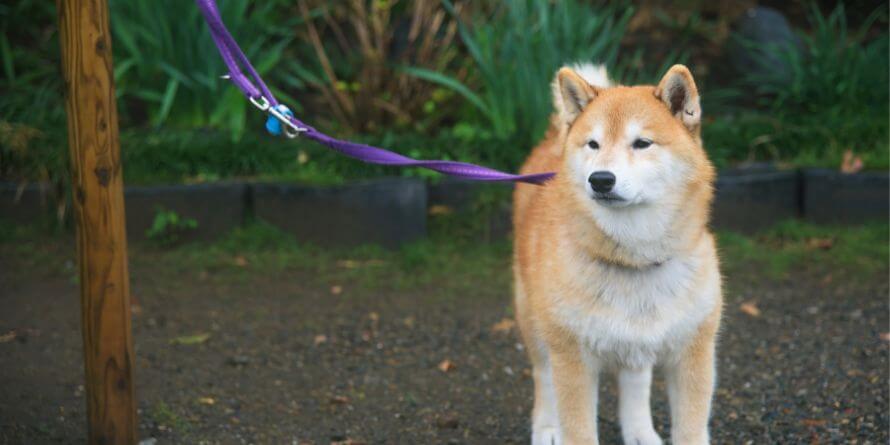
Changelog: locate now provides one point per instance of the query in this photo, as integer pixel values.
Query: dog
(615, 268)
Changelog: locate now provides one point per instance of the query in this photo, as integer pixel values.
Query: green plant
(851, 251)
(834, 96)
(355, 45)
(162, 414)
(168, 227)
(167, 69)
(32, 115)
(516, 52)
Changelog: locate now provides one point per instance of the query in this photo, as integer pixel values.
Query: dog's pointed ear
(571, 93)
(678, 91)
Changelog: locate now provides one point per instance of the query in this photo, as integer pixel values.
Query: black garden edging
(25, 204)
(388, 212)
(831, 197)
(393, 211)
(218, 208)
(752, 199)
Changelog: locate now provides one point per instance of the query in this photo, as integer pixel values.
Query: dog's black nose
(602, 181)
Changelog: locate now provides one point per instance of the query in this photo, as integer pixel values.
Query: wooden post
(97, 190)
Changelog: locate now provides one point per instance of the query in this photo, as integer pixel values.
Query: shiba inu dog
(615, 269)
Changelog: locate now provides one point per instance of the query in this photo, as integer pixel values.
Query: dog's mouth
(609, 198)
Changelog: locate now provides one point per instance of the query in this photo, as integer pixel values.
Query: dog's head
(629, 147)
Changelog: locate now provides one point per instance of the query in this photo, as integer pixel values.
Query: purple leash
(260, 95)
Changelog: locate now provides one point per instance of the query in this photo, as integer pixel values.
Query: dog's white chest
(636, 317)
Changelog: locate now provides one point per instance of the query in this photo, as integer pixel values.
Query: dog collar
(624, 265)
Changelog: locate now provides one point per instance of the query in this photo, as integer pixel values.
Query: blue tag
(273, 125)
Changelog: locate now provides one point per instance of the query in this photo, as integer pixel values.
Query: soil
(285, 358)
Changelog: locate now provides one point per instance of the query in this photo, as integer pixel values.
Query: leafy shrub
(167, 68)
(32, 113)
(517, 51)
(353, 48)
(168, 227)
(836, 98)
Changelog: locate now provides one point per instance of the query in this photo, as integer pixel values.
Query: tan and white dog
(615, 269)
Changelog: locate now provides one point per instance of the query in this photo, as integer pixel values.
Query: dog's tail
(595, 74)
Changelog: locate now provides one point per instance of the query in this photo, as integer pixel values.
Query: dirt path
(291, 360)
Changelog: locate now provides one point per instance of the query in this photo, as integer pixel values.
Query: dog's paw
(547, 435)
(642, 437)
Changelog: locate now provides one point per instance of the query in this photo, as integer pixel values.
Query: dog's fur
(626, 284)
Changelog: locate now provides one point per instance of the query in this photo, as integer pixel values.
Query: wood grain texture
(99, 212)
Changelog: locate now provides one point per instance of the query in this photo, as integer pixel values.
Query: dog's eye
(594, 145)
(640, 144)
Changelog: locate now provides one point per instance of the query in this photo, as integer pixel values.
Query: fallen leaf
(409, 322)
(446, 366)
(206, 400)
(813, 422)
(320, 338)
(851, 162)
(190, 339)
(8, 337)
(135, 307)
(349, 442)
(336, 289)
(750, 308)
(348, 264)
(439, 209)
(503, 326)
(339, 400)
(375, 317)
(354, 264)
(448, 420)
(302, 157)
(820, 243)
(240, 261)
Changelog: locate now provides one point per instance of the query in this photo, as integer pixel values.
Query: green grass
(262, 249)
(855, 252)
(162, 414)
(453, 261)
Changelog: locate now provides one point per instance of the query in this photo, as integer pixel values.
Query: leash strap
(258, 93)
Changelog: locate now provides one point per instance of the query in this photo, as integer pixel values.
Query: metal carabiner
(260, 102)
(291, 130)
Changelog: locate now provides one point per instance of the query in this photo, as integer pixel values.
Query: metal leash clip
(284, 116)
(278, 115)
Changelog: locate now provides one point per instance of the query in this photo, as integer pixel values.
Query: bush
(168, 227)
(516, 52)
(167, 69)
(354, 49)
(836, 99)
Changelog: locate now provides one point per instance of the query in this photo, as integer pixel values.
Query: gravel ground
(285, 358)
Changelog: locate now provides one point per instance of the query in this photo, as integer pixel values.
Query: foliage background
(436, 79)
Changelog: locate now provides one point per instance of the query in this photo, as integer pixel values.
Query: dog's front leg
(690, 381)
(633, 406)
(575, 378)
